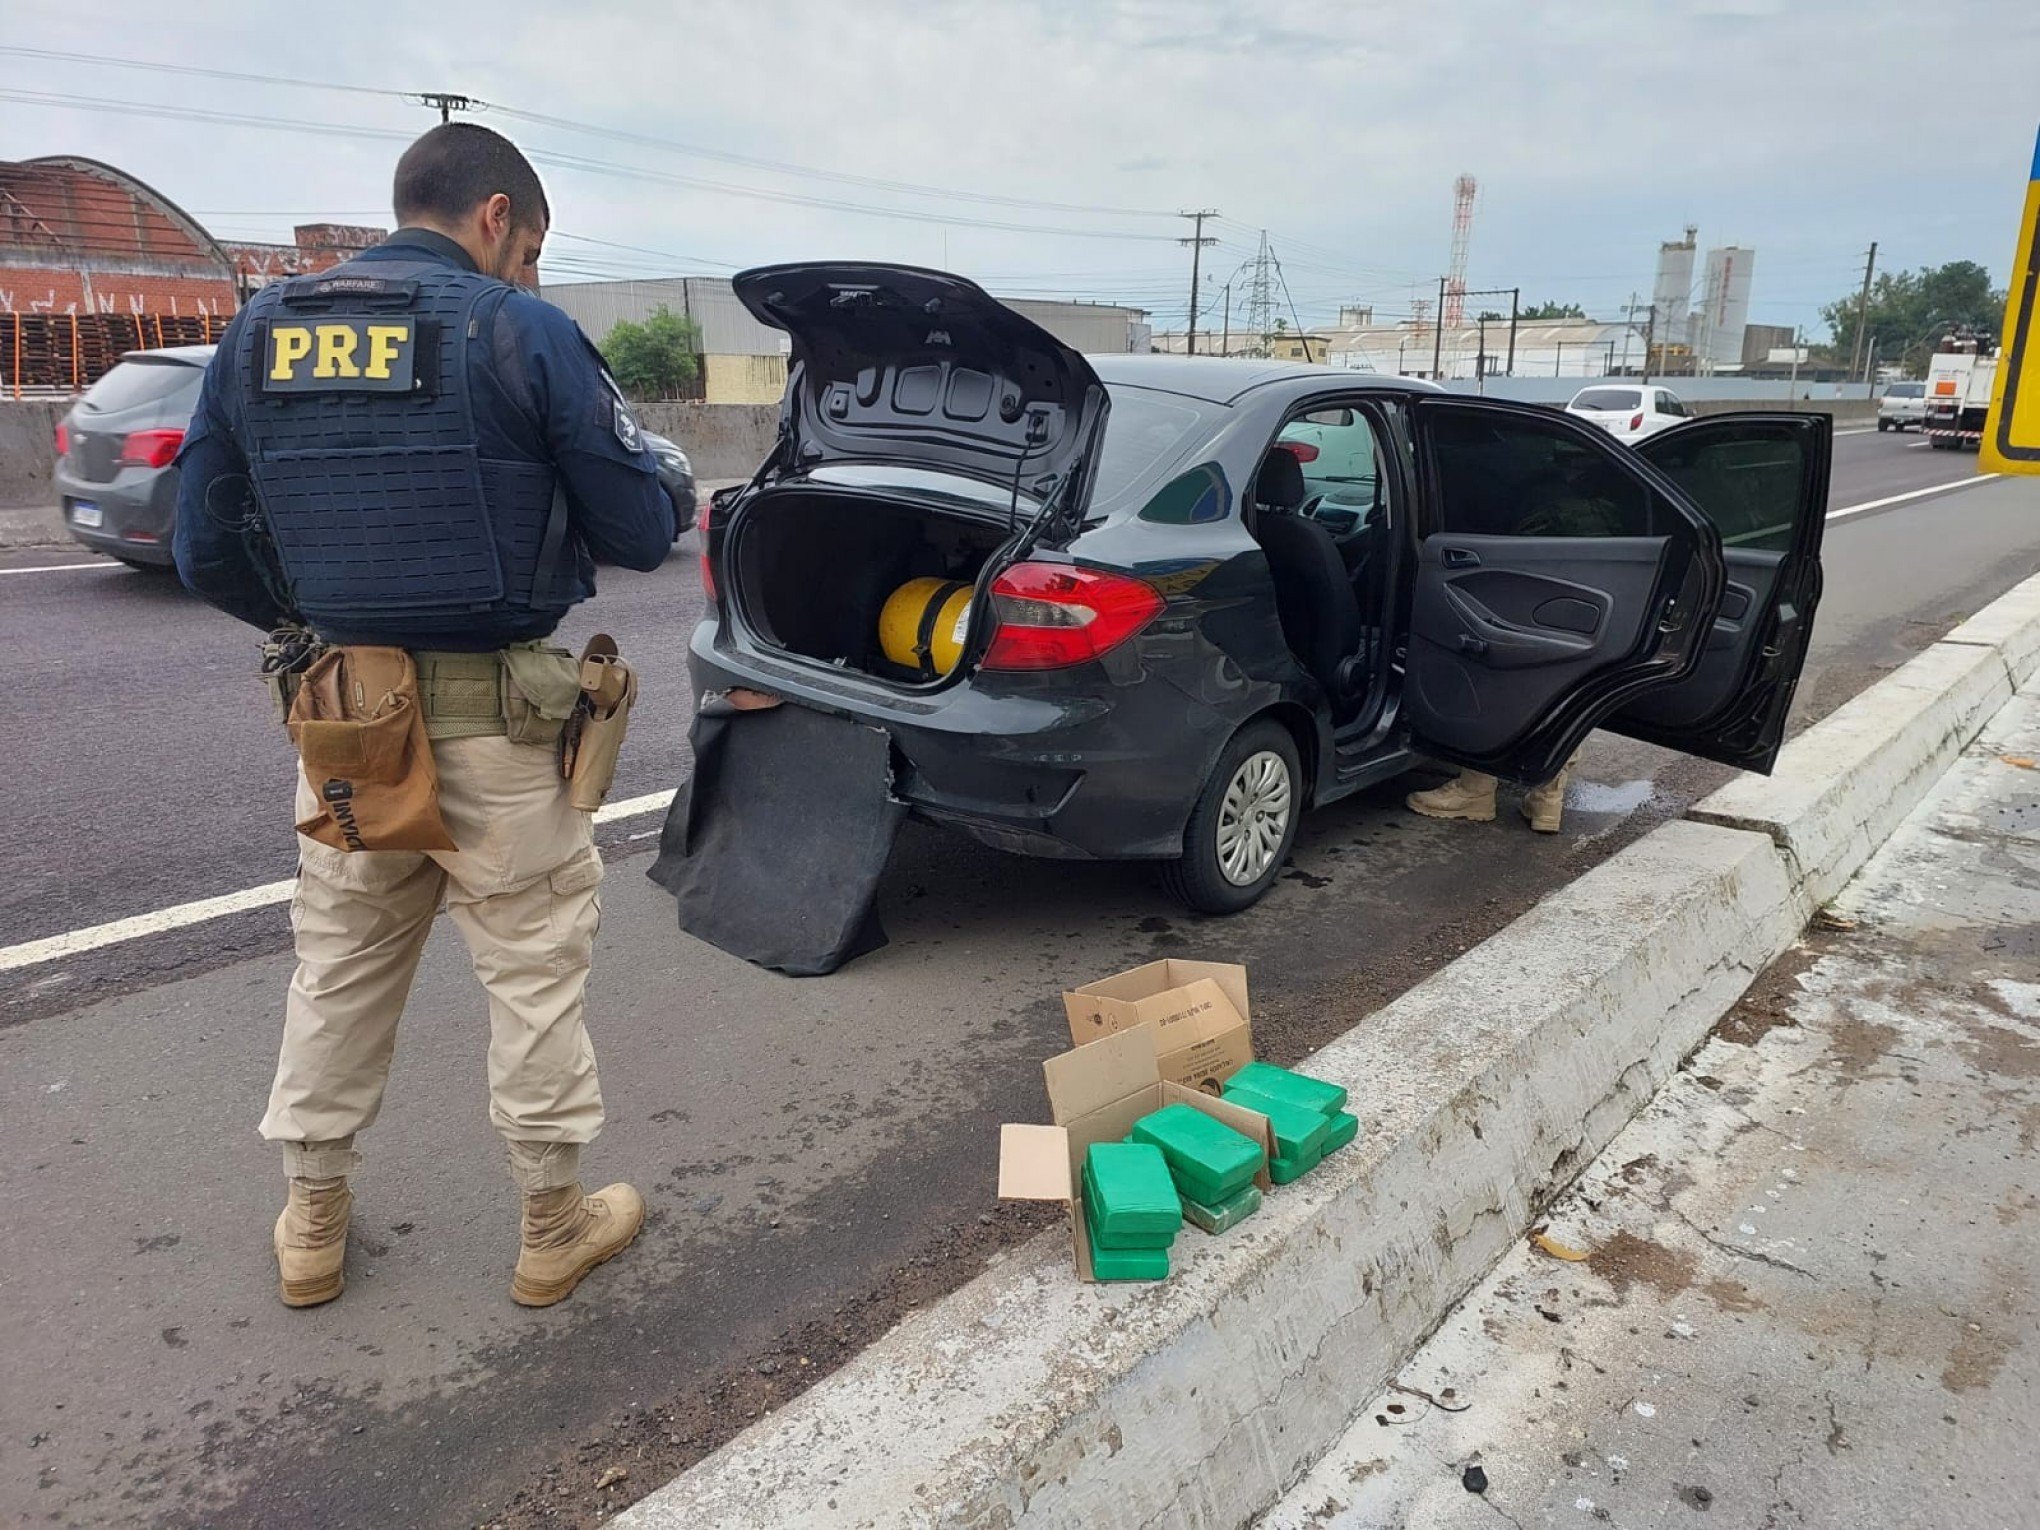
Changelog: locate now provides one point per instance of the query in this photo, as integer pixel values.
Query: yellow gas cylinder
(923, 624)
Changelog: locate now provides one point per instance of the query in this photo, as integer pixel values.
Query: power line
(446, 102)
(571, 162)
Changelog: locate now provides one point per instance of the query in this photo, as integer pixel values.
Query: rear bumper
(137, 508)
(1096, 770)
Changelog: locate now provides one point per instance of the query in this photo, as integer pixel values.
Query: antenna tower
(1261, 308)
(1463, 191)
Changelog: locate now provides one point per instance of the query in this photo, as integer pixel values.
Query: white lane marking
(1856, 430)
(58, 568)
(30, 953)
(54, 947)
(1899, 499)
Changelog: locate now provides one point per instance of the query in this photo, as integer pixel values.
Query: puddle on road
(1593, 797)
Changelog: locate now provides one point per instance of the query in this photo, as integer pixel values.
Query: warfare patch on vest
(341, 355)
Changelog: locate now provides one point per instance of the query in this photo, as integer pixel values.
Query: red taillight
(1302, 451)
(150, 448)
(1051, 616)
(701, 520)
(1637, 423)
(63, 439)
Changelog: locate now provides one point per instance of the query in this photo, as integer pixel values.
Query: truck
(1959, 381)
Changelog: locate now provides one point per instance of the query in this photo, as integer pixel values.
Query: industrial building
(94, 262)
(1539, 348)
(744, 361)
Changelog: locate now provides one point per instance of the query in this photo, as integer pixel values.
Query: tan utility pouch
(595, 736)
(541, 690)
(360, 732)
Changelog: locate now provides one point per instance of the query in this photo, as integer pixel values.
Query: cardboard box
(1198, 1010)
(1095, 1094)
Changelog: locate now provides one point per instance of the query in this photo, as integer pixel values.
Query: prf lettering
(332, 350)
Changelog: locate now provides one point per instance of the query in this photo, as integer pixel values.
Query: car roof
(1225, 380)
(188, 355)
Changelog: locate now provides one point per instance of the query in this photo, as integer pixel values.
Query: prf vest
(360, 434)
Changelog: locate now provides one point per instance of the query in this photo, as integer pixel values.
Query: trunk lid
(897, 364)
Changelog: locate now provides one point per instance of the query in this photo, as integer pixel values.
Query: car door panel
(1502, 624)
(1762, 478)
(1752, 576)
(1558, 579)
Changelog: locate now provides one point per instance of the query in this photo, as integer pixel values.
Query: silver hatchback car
(116, 476)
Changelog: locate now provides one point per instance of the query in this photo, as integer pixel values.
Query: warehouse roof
(74, 208)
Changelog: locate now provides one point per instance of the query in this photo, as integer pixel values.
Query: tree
(655, 359)
(1538, 311)
(1909, 311)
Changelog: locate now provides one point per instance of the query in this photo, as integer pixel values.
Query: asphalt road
(817, 1155)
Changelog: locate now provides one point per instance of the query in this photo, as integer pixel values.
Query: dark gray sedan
(116, 476)
(1113, 607)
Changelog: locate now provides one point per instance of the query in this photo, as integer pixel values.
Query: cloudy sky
(1045, 146)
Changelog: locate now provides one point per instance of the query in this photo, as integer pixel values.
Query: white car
(1629, 414)
(1903, 404)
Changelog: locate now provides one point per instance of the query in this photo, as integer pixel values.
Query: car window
(1144, 432)
(1505, 476)
(140, 382)
(1336, 450)
(1668, 403)
(1750, 489)
(1607, 398)
(1908, 390)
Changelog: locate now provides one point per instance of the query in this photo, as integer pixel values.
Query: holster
(594, 735)
(360, 732)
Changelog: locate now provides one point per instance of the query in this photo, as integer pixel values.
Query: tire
(1261, 766)
(1883, 426)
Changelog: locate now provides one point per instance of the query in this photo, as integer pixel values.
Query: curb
(1488, 1086)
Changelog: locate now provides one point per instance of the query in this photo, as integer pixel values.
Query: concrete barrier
(721, 440)
(28, 453)
(1029, 1398)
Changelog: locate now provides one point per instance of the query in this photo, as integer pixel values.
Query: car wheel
(1883, 426)
(1240, 832)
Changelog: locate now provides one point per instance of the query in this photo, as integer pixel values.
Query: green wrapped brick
(1124, 1263)
(1129, 1196)
(1208, 1159)
(1228, 1213)
(1300, 1131)
(1344, 1129)
(1297, 1088)
(1283, 1170)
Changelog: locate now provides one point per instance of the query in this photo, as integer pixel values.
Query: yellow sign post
(2011, 436)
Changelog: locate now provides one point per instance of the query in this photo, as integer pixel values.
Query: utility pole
(1197, 242)
(1515, 302)
(1225, 345)
(1438, 336)
(1480, 356)
(1649, 332)
(1863, 309)
(1792, 386)
(446, 102)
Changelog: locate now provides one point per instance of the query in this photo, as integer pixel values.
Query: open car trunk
(811, 569)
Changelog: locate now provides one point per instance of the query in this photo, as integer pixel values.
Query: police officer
(412, 451)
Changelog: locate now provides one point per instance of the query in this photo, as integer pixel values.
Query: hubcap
(1254, 818)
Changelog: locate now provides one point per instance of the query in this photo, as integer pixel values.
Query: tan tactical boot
(311, 1241)
(1543, 805)
(566, 1234)
(1468, 795)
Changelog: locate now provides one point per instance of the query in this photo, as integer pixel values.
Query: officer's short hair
(459, 165)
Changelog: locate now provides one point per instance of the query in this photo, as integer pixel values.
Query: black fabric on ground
(774, 848)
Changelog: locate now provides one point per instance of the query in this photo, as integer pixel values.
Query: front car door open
(1559, 578)
(1762, 479)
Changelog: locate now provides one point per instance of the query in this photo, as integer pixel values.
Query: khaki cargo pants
(523, 892)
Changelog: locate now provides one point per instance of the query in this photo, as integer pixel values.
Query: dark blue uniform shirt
(540, 395)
